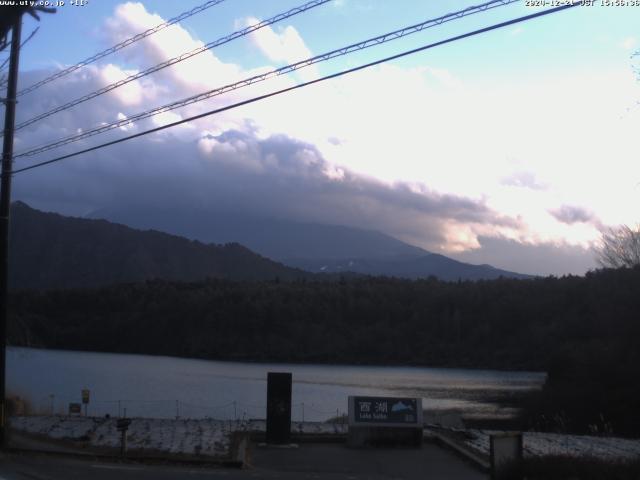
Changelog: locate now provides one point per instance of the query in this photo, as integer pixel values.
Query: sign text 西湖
(386, 410)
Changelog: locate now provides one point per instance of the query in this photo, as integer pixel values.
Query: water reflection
(155, 386)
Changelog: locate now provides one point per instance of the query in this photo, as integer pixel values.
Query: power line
(174, 60)
(4, 65)
(301, 85)
(31, 35)
(6, 61)
(380, 39)
(121, 45)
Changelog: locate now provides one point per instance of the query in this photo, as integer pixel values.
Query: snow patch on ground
(202, 437)
(212, 438)
(307, 428)
(191, 437)
(539, 444)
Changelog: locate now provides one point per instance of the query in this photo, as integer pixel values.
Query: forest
(584, 331)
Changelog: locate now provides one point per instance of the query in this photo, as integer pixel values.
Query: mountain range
(313, 247)
(48, 250)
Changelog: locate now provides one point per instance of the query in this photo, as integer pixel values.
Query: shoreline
(477, 369)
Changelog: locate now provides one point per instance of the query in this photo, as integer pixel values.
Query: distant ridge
(317, 248)
(274, 238)
(431, 264)
(48, 250)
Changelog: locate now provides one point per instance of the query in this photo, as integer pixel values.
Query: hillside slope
(48, 250)
(314, 247)
(430, 264)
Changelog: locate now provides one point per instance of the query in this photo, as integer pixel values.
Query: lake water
(155, 386)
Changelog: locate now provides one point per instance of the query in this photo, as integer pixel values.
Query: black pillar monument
(279, 408)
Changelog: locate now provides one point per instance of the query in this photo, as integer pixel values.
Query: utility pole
(5, 206)
(11, 19)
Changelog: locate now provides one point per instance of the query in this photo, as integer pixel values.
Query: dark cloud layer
(540, 259)
(237, 171)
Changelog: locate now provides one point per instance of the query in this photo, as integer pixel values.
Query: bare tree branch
(619, 247)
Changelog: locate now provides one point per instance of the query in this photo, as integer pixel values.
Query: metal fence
(229, 410)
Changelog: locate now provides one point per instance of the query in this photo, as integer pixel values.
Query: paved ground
(310, 461)
(429, 462)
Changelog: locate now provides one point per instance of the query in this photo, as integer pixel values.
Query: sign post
(385, 421)
(85, 399)
(75, 409)
(122, 424)
(506, 455)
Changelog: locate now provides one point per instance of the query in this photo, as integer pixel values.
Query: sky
(514, 148)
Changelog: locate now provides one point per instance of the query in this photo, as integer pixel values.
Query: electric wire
(5, 66)
(380, 39)
(120, 46)
(174, 60)
(301, 85)
(6, 61)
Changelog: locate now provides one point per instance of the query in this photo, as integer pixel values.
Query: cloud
(130, 94)
(545, 258)
(276, 176)
(127, 126)
(284, 47)
(525, 180)
(570, 214)
(198, 71)
(628, 43)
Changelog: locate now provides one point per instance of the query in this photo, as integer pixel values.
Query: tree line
(584, 331)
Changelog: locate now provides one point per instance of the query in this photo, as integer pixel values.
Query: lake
(157, 386)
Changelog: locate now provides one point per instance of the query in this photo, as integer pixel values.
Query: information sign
(391, 411)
